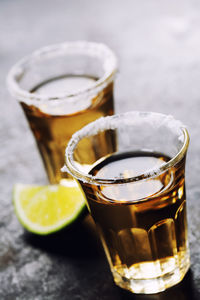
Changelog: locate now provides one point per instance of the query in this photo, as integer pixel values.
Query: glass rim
(71, 167)
(72, 47)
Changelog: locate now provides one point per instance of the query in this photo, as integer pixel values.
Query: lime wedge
(47, 209)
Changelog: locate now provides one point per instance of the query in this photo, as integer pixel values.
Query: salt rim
(97, 50)
(110, 122)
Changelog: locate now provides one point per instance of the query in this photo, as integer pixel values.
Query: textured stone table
(158, 45)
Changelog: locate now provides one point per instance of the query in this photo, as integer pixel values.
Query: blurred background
(158, 47)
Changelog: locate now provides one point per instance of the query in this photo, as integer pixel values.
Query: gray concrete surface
(158, 45)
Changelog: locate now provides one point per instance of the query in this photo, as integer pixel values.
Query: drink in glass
(61, 88)
(135, 190)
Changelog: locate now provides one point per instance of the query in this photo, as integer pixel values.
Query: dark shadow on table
(79, 240)
(183, 291)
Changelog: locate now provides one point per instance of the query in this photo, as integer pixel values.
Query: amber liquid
(142, 224)
(53, 128)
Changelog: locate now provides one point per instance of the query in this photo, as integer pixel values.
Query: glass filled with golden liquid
(61, 88)
(134, 181)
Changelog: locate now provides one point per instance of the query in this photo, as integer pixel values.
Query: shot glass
(135, 189)
(61, 88)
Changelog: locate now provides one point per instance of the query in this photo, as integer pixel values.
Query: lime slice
(47, 209)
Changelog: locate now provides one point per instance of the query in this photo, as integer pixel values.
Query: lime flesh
(47, 209)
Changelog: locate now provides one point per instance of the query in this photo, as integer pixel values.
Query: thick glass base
(168, 275)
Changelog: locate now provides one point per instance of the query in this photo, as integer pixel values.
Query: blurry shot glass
(61, 88)
(135, 189)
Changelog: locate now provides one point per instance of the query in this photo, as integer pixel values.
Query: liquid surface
(66, 84)
(53, 126)
(127, 166)
(145, 239)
